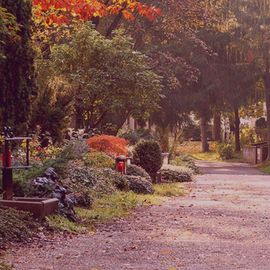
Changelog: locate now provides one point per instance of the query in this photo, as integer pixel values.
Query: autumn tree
(168, 40)
(56, 12)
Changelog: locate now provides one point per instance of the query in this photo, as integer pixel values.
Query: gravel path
(223, 223)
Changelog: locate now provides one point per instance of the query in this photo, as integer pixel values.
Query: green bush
(139, 184)
(225, 151)
(147, 154)
(135, 170)
(97, 180)
(170, 173)
(134, 136)
(22, 178)
(98, 160)
(247, 135)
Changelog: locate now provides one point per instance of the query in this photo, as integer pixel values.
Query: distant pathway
(224, 223)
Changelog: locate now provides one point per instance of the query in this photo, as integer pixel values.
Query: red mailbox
(120, 164)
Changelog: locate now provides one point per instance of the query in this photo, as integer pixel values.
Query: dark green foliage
(170, 173)
(17, 69)
(147, 154)
(15, 226)
(118, 180)
(99, 181)
(225, 151)
(22, 178)
(106, 77)
(134, 136)
(8, 29)
(192, 132)
(139, 184)
(135, 170)
(261, 129)
(52, 114)
(261, 123)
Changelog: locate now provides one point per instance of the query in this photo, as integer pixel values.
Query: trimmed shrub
(98, 160)
(170, 173)
(139, 184)
(110, 145)
(135, 170)
(147, 154)
(225, 151)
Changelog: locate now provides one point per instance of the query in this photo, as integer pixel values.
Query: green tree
(239, 91)
(107, 77)
(253, 25)
(17, 69)
(8, 30)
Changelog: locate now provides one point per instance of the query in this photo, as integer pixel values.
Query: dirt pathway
(224, 223)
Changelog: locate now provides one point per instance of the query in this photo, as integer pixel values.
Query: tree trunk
(79, 121)
(164, 133)
(237, 130)
(116, 21)
(217, 127)
(205, 146)
(267, 93)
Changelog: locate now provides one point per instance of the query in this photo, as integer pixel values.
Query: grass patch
(169, 190)
(63, 224)
(208, 156)
(265, 167)
(5, 266)
(117, 205)
(193, 149)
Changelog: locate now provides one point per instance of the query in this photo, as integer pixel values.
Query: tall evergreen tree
(17, 69)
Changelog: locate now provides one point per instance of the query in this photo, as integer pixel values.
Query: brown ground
(224, 223)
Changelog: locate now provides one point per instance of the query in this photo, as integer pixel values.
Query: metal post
(27, 152)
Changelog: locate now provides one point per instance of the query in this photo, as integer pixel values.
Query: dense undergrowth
(16, 226)
(98, 193)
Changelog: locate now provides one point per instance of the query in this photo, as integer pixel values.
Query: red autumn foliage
(110, 145)
(61, 11)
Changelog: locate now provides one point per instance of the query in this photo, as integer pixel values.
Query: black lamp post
(7, 166)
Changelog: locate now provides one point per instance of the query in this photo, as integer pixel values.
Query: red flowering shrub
(110, 145)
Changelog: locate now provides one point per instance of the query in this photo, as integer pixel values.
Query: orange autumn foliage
(110, 145)
(64, 11)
